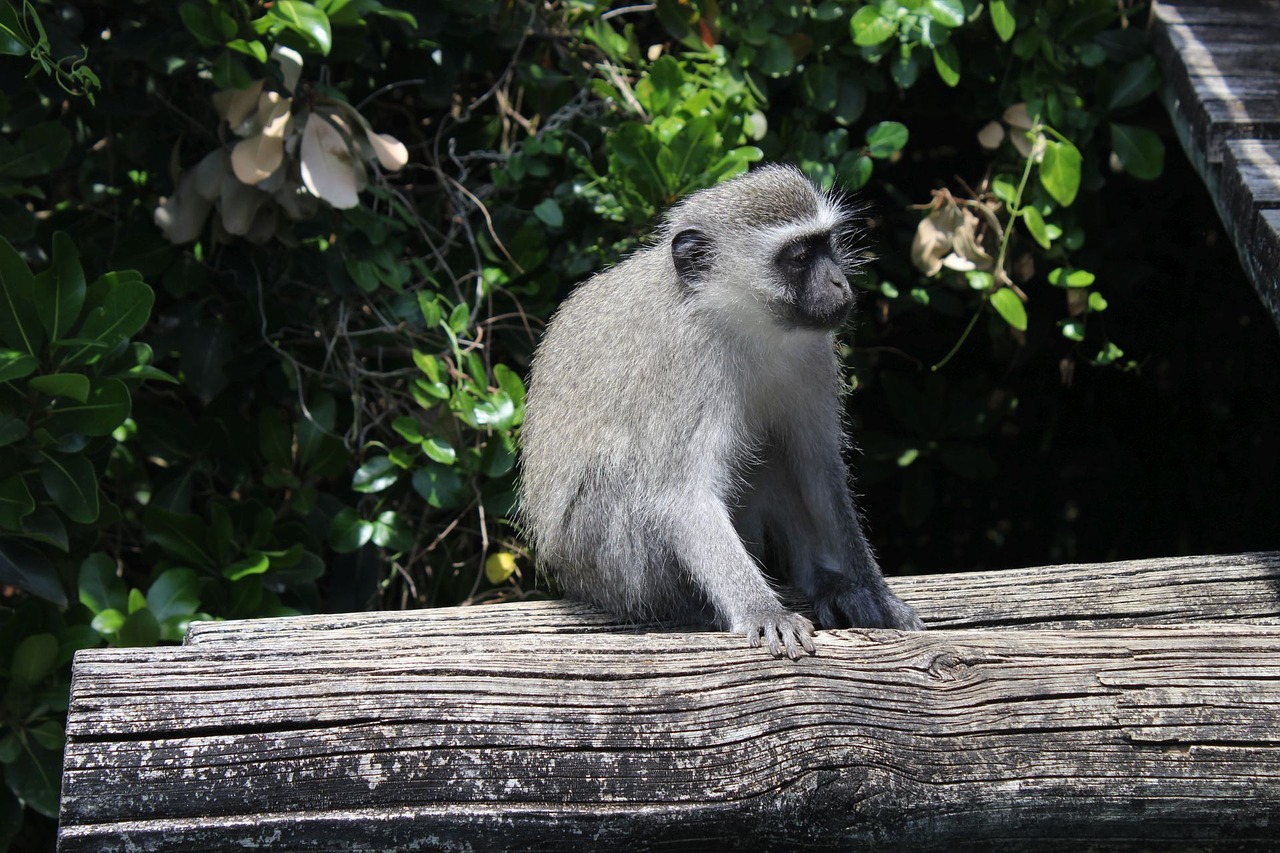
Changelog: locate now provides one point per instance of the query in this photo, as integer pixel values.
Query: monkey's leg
(710, 550)
(830, 558)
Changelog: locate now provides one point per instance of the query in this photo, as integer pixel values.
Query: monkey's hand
(847, 604)
(780, 630)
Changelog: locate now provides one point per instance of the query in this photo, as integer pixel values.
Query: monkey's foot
(780, 631)
(846, 604)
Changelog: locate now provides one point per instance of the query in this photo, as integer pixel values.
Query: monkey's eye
(798, 254)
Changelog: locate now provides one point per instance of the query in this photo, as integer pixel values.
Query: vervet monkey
(683, 421)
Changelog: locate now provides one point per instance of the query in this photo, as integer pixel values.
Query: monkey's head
(766, 247)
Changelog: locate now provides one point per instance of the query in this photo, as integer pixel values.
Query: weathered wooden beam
(1232, 588)
(1222, 90)
(1137, 737)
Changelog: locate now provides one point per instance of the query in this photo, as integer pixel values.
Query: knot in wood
(946, 666)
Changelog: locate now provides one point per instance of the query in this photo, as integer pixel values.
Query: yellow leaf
(499, 567)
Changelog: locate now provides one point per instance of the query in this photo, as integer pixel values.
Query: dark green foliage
(297, 406)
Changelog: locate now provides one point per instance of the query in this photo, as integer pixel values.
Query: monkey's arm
(830, 558)
(701, 532)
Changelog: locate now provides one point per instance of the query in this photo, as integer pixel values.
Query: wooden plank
(1222, 89)
(1237, 588)
(1222, 86)
(1249, 188)
(933, 740)
(1221, 15)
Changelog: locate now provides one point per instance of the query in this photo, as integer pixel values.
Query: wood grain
(551, 726)
(1229, 588)
(939, 740)
(1222, 89)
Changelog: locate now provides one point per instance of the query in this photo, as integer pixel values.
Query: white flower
(282, 162)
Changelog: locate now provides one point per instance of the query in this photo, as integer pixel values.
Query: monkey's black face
(818, 293)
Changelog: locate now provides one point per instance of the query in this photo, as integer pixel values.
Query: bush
(352, 219)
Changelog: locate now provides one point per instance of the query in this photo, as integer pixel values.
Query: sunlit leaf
(886, 138)
(869, 27)
(1002, 18)
(1010, 307)
(1060, 171)
(1036, 227)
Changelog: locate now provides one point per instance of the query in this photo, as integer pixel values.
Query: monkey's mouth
(824, 315)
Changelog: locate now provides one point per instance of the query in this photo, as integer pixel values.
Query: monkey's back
(590, 467)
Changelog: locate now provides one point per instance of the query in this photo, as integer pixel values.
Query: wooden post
(538, 727)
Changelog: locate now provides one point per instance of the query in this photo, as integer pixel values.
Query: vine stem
(964, 337)
(1015, 210)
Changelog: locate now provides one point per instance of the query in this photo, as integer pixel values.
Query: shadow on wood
(548, 726)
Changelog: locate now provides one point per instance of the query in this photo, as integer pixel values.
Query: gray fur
(673, 427)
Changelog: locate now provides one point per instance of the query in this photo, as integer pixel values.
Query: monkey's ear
(691, 252)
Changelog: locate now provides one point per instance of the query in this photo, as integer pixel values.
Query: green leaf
(349, 532)
(27, 568)
(1140, 151)
(868, 27)
(122, 307)
(11, 429)
(175, 593)
(946, 61)
(305, 20)
(904, 68)
(1002, 18)
(886, 139)
(460, 318)
(1097, 302)
(511, 383)
(440, 450)
(1072, 330)
(39, 151)
(254, 564)
(979, 280)
(548, 210)
(408, 428)
(19, 322)
(60, 296)
(140, 629)
(429, 305)
(1010, 307)
(440, 485)
(100, 587)
(184, 536)
(375, 475)
(108, 622)
(391, 532)
(16, 365)
(15, 502)
(44, 524)
(137, 601)
(1134, 82)
(1060, 171)
(48, 734)
(35, 776)
(1108, 355)
(199, 21)
(949, 13)
(33, 659)
(250, 48)
(12, 43)
(776, 58)
(1035, 225)
(74, 386)
(1067, 277)
(72, 484)
(106, 407)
